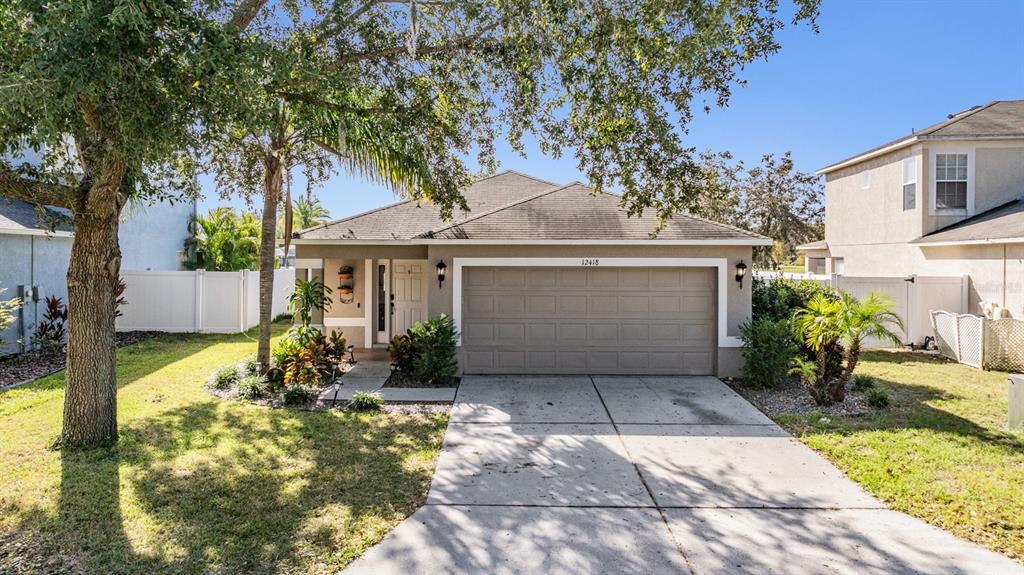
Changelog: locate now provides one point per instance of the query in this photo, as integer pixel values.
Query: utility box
(1016, 385)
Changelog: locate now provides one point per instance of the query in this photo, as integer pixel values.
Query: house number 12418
(587, 262)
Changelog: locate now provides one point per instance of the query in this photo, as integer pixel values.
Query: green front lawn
(941, 452)
(201, 485)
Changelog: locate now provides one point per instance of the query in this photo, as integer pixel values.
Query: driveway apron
(610, 474)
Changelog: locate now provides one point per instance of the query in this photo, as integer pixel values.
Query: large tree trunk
(90, 400)
(273, 176)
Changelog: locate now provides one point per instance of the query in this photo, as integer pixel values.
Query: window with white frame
(950, 181)
(910, 183)
(865, 179)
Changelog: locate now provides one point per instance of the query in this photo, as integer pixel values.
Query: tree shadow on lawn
(229, 490)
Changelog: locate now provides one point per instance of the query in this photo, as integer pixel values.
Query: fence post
(200, 285)
(964, 293)
(243, 304)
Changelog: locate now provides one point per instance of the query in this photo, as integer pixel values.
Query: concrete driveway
(647, 475)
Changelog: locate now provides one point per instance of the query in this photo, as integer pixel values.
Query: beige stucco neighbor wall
(870, 231)
(738, 303)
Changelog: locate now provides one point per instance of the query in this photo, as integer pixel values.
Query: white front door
(409, 291)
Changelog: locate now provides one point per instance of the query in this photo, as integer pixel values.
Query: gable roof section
(1003, 224)
(1001, 119)
(409, 219)
(20, 217)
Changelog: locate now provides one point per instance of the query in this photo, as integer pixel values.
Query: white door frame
(724, 339)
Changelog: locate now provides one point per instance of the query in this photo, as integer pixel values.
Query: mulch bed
(790, 397)
(15, 369)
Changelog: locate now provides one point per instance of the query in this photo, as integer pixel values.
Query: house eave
(36, 232)
(500, 242)
(908, 142)
(981, 242)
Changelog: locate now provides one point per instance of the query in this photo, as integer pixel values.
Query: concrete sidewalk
(647, 475)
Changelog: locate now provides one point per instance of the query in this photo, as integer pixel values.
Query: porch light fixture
(741, 270)
(442, 269)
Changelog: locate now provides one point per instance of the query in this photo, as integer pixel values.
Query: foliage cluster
(777, 298)
(768, 351)
(225, 241)
(7, 310)
(51, 331)
(428, 352)
(366, 401)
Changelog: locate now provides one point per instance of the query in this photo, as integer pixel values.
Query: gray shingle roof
(408, 219)
(511, 206)
(17, 216)
(1005, 222)
(998, 119)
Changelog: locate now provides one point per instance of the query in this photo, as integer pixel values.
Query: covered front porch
(375, 294)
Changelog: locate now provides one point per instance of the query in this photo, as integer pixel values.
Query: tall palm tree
(309, 212)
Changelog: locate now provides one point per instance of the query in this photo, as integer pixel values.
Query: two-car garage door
(589, 320)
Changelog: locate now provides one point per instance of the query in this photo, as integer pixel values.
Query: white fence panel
(159, 301)
(198, 301)
(915, 297)
(980, 342)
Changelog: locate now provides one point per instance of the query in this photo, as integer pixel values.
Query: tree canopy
(225, 241)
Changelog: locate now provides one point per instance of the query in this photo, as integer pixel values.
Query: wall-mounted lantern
(741, 270)
(442, 269)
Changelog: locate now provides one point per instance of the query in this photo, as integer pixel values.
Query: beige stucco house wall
(869, 231)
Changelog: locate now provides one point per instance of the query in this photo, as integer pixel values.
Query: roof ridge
(518, 173)
(708, 221)
(430, 233)
(956, 118)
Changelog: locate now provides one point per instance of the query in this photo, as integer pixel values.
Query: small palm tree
(309, 212)
(835, 329)
(871, 317)
(225, 241)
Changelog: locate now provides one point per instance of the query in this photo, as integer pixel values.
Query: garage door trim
(724, 339)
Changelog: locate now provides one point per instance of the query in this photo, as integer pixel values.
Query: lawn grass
(940, 452)
(201, 485)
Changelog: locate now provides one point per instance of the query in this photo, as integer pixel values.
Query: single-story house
(541, 277)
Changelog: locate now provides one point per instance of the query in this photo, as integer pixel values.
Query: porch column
(368, 303)
(306, 269)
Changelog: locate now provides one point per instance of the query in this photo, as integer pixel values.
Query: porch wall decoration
(346, 277)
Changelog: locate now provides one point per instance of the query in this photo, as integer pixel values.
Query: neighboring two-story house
(944, 201)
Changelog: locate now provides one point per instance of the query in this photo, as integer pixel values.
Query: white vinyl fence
(915, 297)
(198, 301)
(979, 341)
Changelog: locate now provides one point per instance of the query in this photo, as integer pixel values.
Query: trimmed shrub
(768, 351)
(864, 382)
(434, 342)
(878, 397)
(224, 377)
(252, 387)
(248, 366)
(365, 401)
(298, 395)
(778, 297)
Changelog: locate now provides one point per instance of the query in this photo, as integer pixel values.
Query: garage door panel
(590, 320)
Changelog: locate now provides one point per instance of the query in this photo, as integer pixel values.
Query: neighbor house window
(951, 181)
(865, 180)
(910, 183)
(838, 266)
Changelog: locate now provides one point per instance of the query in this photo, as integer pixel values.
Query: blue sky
(877, 70)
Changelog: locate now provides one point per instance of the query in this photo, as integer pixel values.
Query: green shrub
(248, 366)
(778, 298)
(768, 351)
(864, 382)
(878, 397)
(403, 356)
(298, 395)
(366, 401)
(252, 387)
(287, 347)
(434, 342)
(224, 377)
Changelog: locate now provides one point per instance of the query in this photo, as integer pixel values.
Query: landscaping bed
(15, 369)
(790, 397)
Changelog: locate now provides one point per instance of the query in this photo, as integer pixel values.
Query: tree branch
(15, 186)
(244, 13)
(462, 43)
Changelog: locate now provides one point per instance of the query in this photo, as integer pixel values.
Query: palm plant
(226, 241)
(835, 329)
(309, 296)
(308, 212)
(871, 317)
(7, 309)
